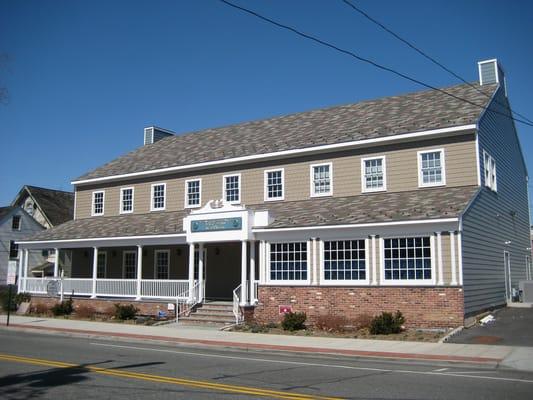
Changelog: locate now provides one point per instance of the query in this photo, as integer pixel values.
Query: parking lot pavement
(512, 327)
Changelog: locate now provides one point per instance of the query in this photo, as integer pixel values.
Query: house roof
(434, 203)
(389, 116)
(57, 205)
(5, 211)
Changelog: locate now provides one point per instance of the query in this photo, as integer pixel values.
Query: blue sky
(85, 77)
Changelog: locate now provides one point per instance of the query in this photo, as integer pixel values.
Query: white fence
(157, 288)
(116, 287)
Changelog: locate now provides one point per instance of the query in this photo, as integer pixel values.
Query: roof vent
(152, 134)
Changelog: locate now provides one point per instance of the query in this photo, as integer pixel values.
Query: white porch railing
(35, 285)
(80, 286)
(157, 288)
(116, 287)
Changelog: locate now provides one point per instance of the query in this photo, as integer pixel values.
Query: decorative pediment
(218, 206)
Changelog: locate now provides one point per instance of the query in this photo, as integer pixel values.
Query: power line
(424, 54)
(365, 60)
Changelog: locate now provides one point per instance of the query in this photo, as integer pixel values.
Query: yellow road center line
(165, 379)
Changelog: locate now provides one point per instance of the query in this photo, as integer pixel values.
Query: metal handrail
(236, 304)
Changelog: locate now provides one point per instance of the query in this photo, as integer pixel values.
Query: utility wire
(424, 54)
(365, 60)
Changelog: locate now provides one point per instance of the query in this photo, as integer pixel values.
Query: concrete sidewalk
(509, 356)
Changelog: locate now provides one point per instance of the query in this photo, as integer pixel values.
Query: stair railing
(236, 304)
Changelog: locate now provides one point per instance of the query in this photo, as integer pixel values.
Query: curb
(253, 346)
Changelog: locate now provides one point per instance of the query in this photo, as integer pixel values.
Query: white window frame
(121, 206)
(20, 222)
(187, 205)
(156, 252)
(280, 282)
(364, 189)
(443, 168)
(265, 184)
(93, 211)
(238, 188)
(491, 168)
(344, 282)
(152, 208)
(408, 282)
(312, 180)
(124, 262)
(102, 253)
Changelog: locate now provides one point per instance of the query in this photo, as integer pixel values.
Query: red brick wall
(423, 307)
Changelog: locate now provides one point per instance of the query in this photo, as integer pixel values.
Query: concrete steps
(211, 313)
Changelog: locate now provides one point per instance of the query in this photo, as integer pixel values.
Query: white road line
(441, 370)
(306, 364)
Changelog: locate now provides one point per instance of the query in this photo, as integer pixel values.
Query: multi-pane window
(274, 185)
(193, 193)
(489, 166)
(101, 265)
(126, 200)
(13, 250)
(344, 260)
(232, 188)
(373, 174)
(130, 265)
(321, 180)
(431, 168)
(98, 203)
(15, 223)
(407, 259)
(158, 196)
(162, 261)
(288, 261)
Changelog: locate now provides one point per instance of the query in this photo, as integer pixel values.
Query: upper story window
(489, 166)
(16, 223)
(98, 203)
(232, 188)
(431, 170)
(274, 184)
(321, 182)
(158, 196)
(373, 174)
(126, 200)
(193, 193)
(407, 259)
(13, 250)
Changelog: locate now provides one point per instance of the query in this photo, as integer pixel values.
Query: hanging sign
(11, 272)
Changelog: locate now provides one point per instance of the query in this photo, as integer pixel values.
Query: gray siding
(496, 218)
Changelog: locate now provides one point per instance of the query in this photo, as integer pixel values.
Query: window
(126, 200)
(431, 168)
(129, 264)
(274, 185)
(161, 264)
(158, 196)
(193, 193)
(345, 260)
(373, 174)
(13, 250)
(15, 223)
(101, 265)
(98, 203)
(489, 166)
(407, 259)
(321, 184)
(232, 188)
(288, 261)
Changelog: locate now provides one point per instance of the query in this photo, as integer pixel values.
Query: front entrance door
(507, 271)
(223, 272)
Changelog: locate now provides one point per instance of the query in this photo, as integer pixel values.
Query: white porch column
(139, 271)
(374, 261)
(452, 255)
(440, 280)
(244, 274)
(314, 262)
(262, 262)
(200, 272)
(460, 252)
(95, 270)
(26, 257)
(191, 273)
(19, 280)
(56, 263)
(252, 272)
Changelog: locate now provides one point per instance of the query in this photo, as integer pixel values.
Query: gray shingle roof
(364, 120)
(57, 205)
(445, 202)
(4, 211)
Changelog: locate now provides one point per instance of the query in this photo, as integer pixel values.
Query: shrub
(16, 299)
(363, 321)
(387, 323)
(331, 323)
(85, 311)
(63, 308)
(125, 311)
(40, 309)
(294, 321)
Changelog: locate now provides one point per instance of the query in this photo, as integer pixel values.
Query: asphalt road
(41, 366)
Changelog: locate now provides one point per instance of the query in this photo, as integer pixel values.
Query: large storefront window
(344, 260)
(407, 259)
(288, 261)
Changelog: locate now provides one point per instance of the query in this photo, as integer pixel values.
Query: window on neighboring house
(162, 262)
(232, 188)
(489, 166)
(98, 203)
(126, 200)
(321, 182)
(158, 196)
(431, 168)
(407, 259)
(288, 261)
(13, 250)
(345, 260)
(129, 265)
(15, 223)
(274, 185)
(373, 174)
(101, 265)
(193, 193)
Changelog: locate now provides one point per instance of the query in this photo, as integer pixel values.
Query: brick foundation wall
(423, 307)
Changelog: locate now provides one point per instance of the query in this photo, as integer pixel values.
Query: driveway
(512, 327)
